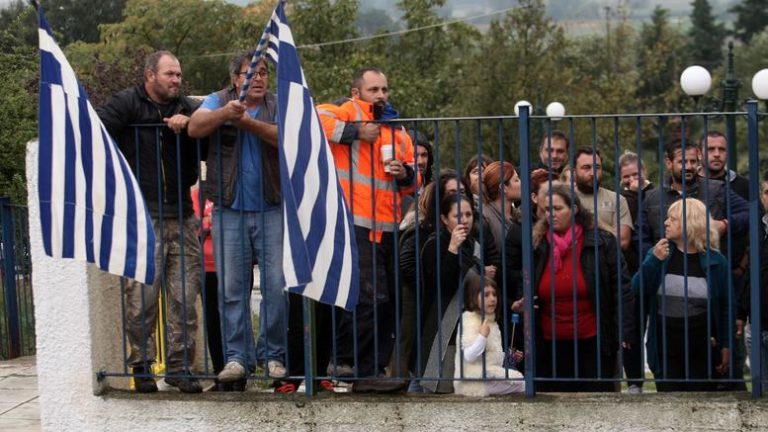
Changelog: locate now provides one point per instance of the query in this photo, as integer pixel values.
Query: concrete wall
(77, 312)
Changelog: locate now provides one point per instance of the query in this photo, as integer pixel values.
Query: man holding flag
(164, 161)
(244, 185)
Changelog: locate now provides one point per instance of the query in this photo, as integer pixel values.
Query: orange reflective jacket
(372, 194)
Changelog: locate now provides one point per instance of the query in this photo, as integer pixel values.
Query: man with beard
(682, 169)
(588, 172)
(164, 161)
(714, 152)
(375, 164)
(244, 186)
(714, 155)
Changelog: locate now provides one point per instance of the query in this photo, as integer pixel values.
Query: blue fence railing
(655, 298)
(17, 320)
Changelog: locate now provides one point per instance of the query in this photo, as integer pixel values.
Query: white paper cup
(386, 155)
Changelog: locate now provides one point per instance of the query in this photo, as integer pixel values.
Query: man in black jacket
(714, 156)
(164, 161)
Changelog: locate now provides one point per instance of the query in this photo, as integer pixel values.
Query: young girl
(685, 284)
(480, 334)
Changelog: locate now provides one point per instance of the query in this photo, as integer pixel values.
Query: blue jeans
(240, 240)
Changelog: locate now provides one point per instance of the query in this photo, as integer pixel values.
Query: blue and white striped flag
(319, 247)
(91, 208)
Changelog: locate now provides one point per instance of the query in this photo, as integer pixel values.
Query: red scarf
(561, 243)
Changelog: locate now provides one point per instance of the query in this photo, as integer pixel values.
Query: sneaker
(184, 382)
(285, 387)
(233, 371)
(325, 386)
(635, 389)
(276, 369)
(342, 370)
(143, 384)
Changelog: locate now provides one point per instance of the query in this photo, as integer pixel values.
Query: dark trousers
(566, 366)
(323, 337)
(634, 359)
(699, 348)
(212, 321)
(365, 337)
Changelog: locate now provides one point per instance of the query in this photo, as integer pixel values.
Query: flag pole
(258, 54)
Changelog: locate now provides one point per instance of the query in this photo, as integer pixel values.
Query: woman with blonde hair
(684, 280)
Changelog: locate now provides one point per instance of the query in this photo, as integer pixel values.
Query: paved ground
(19, 408)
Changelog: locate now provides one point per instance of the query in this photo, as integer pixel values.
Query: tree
(79, 20)
(202, 34)
(658, 64)
(19, 27)
(751, 18)
(328, 68)
(520, 57)
(705, 36)
(18, 112)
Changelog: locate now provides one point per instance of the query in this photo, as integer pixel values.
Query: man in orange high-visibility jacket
(375, 166)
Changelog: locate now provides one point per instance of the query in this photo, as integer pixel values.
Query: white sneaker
(275, 369)
(635, 389)
(232, 372)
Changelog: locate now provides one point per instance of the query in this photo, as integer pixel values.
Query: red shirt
(564, 314)
(210, 264)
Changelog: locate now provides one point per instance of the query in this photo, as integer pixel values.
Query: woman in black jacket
(580, 279)
(447, 258)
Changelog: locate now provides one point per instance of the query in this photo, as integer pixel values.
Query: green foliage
(705, 36)
(18, 27)
(328, 68)
(751, 18)
(191, 29)
(79, 20)
(18, 117)
(659, 64)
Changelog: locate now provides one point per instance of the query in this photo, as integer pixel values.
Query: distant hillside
(577, 16)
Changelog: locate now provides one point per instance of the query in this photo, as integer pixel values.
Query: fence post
(754, 249)
(525, 170)
(9, 274)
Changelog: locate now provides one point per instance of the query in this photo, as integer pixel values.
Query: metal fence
(17, 319)
(410, 327)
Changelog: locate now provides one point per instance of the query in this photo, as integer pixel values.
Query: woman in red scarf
(580, 278)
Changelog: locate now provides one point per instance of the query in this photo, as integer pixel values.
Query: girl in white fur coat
(482, 335)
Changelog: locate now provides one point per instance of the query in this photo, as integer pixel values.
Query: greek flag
(319, 247)
(91, 208)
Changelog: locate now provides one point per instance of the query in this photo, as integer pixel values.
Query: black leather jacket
(165, 183)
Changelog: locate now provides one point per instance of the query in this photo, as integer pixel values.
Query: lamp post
(696, 82)
(730, 86)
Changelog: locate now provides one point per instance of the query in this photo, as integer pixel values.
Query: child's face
(487, 300)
